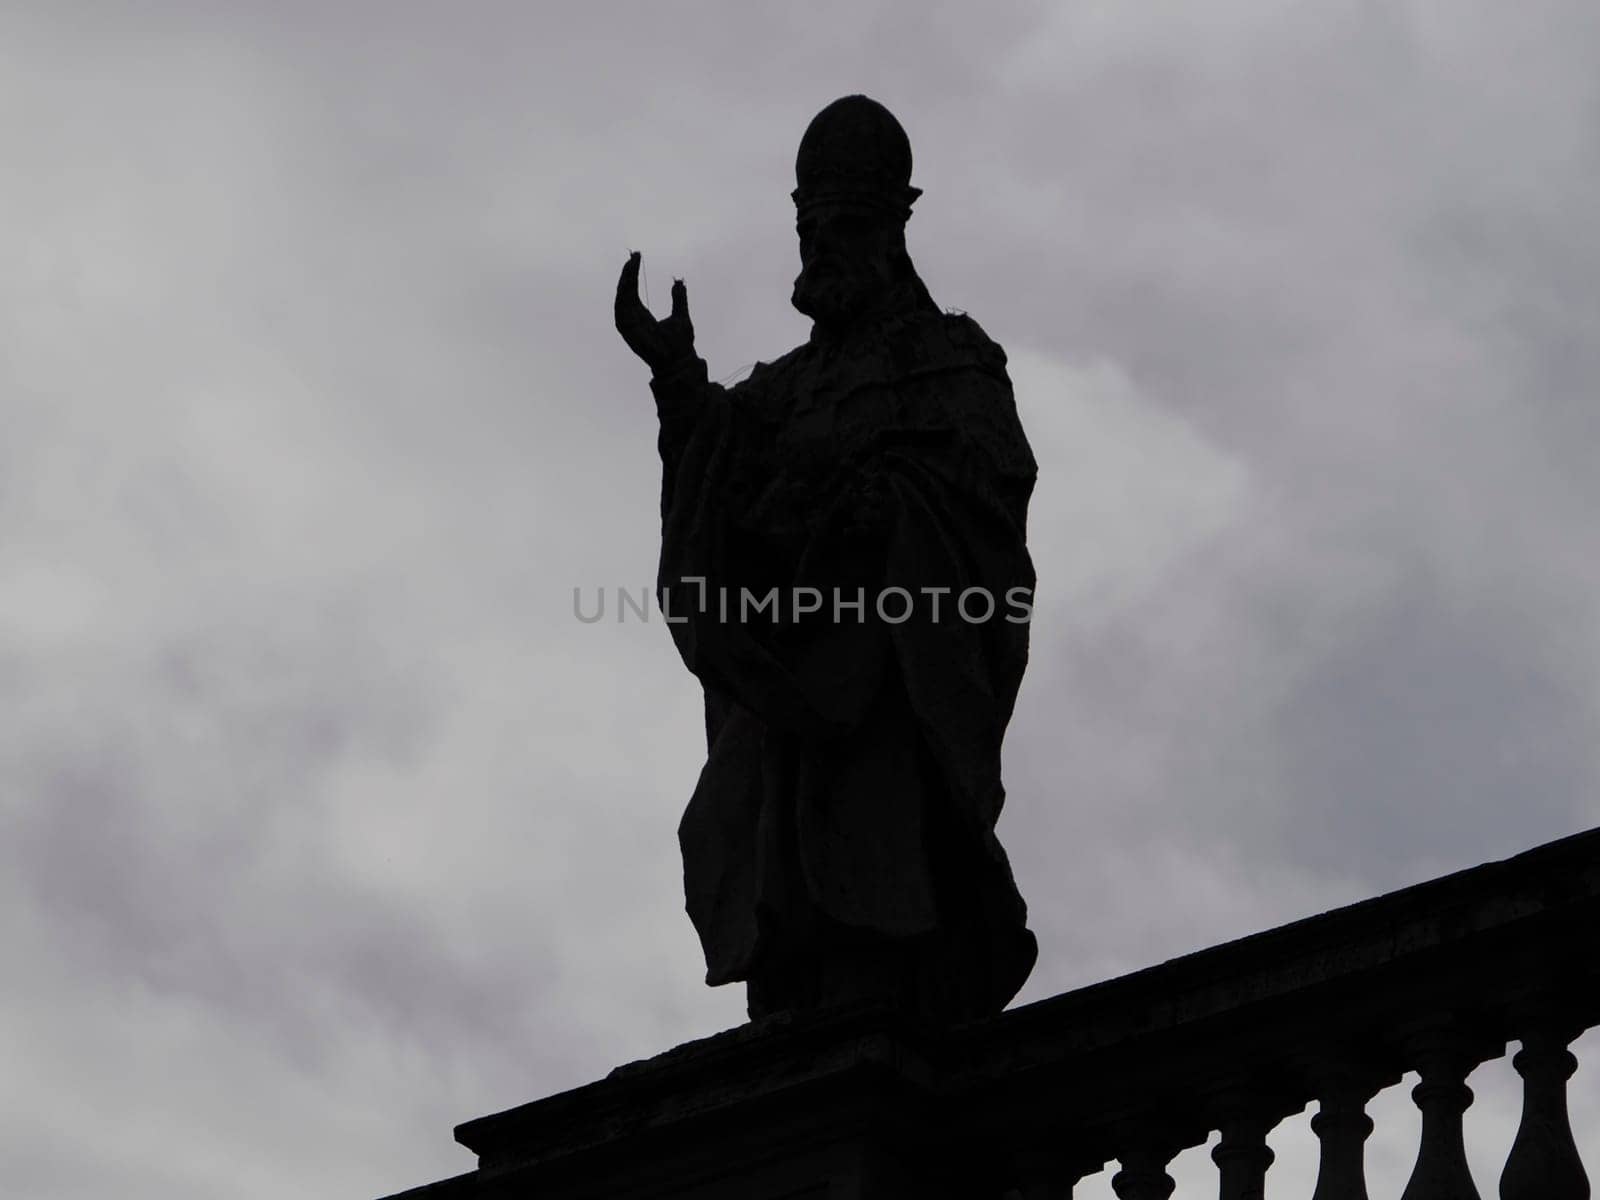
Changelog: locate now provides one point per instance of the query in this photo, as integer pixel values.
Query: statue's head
(853, 199)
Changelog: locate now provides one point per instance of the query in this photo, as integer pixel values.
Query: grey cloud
(327, 826)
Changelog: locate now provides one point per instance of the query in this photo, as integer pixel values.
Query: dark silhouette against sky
(840, 844)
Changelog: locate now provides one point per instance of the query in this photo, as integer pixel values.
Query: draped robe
(840, 841)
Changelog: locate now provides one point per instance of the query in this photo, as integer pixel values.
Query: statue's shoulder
(959, 379)
(972, 342)
(950, 340)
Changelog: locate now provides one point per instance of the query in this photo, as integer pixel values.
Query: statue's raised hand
(662, 344)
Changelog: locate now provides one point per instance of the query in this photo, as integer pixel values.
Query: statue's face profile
(847, 261)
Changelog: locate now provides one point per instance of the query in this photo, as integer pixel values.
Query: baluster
(1544, 1162)
(1342, 1127)
(1242, 1157)
(1444, 1060)
(1245, 1116)
(1144, 1172)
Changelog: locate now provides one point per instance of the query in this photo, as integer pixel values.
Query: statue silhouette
(871, 487)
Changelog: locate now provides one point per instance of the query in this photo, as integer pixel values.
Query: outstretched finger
(628, 284)
(680, 301)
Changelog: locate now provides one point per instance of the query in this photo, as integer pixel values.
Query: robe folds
(846, 810)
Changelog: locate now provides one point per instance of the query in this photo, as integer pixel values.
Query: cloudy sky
(325, 825)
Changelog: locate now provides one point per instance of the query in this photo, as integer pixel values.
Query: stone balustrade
(1435, 979)
(860, 1105)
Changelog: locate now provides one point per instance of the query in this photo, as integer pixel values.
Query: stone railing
(1435, 979)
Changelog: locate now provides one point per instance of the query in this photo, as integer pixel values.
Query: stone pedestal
(837, 1107)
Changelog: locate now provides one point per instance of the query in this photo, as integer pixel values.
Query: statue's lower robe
(840, 843)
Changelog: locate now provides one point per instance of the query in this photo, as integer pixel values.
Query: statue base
(840, 1105)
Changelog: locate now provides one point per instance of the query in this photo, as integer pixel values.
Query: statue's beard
(836, 293)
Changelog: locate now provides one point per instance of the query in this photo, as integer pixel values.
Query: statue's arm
(730, 573)
(684, 393)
